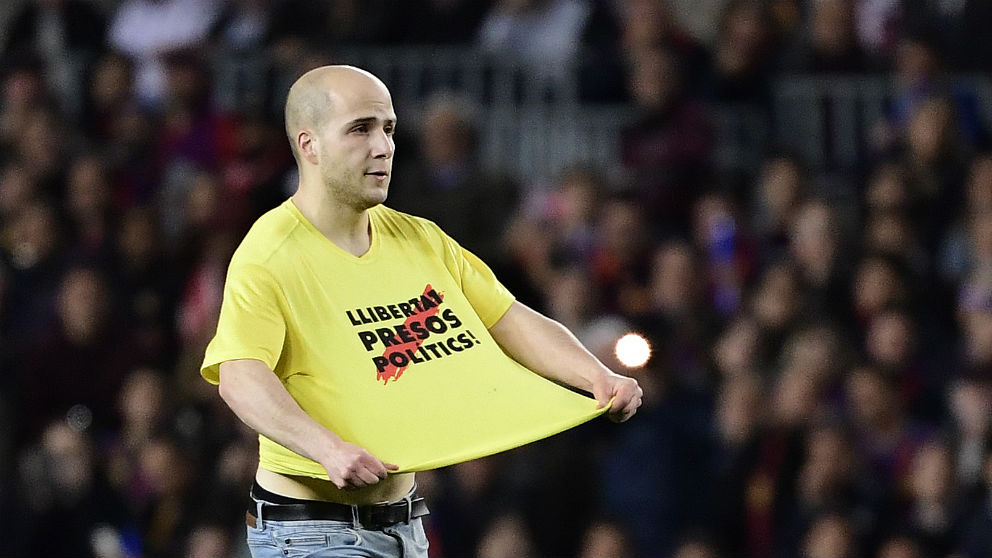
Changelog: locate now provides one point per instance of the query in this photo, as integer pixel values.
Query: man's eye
(360, 128)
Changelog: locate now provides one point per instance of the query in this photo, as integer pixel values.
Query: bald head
(315, 96)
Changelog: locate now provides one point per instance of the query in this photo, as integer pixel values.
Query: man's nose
(382, 145)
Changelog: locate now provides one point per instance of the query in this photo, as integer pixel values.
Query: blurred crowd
(821, 376)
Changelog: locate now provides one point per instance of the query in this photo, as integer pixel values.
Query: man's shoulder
(265, 237)
(394, 218)
(412, 233)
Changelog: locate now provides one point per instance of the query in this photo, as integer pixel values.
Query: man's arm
(258, 398)
(548, 348)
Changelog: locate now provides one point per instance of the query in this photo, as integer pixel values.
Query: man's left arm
(551, 350)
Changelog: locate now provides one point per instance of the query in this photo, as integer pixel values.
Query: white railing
(534, 128)
(829, 120)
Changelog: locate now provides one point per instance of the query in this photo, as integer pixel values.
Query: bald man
(300, 270)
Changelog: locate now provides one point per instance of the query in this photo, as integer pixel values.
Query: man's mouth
(378, 174)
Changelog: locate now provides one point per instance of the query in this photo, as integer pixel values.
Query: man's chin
(377, 198)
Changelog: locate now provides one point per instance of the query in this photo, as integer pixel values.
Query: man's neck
(342, 225)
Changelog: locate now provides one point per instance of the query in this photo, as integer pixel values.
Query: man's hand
(256, 395)
(624, 391)
(351, 467)
(548, 348)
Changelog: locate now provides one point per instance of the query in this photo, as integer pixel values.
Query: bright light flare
(633, 350)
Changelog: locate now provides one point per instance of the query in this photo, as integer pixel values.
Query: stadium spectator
(149, 30)
(447, 181)
(136, 145)
(64, 35)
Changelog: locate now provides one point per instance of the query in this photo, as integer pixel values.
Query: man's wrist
(603, 374)
(597, 380)
(328, 444)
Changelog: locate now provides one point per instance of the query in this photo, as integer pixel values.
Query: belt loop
(356, 521)
(409, 507)
(259, 505)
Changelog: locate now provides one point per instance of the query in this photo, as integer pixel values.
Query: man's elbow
(227, 387)
(225, 390)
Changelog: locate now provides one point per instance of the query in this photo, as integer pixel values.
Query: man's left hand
(625, 393)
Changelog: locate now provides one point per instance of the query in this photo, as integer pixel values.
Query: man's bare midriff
(392, 488)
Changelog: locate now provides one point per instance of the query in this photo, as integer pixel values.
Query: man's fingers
(368, 477)
(377, 467)
(622, 417)
(359, 479)
(602, 397)
(630, 409)
(385, 468)
(628, 399)
(354, 467)
(349, 482)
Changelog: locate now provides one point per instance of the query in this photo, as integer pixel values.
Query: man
(285, 359)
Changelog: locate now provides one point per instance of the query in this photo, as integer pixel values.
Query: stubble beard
(351, 191)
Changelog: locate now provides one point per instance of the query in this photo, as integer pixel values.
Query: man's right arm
(252, 390)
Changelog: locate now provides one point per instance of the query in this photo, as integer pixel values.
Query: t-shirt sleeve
(485, 293)
(488, 297)
(251, 324)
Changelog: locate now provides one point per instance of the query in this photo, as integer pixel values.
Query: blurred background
(790, 199)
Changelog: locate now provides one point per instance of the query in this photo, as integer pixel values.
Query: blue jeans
(332, 539)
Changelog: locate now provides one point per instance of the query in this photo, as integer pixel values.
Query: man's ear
(306, 143)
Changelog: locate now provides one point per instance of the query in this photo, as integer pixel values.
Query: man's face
(355, 145)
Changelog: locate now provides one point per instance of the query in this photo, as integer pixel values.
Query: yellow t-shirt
(390, 350)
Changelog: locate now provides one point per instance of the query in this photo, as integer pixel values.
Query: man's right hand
(256, 395)
(351, 467)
